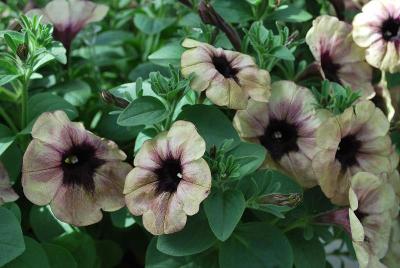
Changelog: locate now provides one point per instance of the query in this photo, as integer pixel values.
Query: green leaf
(249, 156)
(196, 237)
(307, 253)
(144, 69)
(114, 37)
(34, 256)
(283, 53)
(256, 245)
(109, 253)
(211, 124)
(168, 54)
(59, 257)
(81, 246)
(151, 25)
(108, 128)
(11, 240)
(145, 110)
(290, 13)
(224, 210)
(122, 218)
(393, 80)
(75, 92)
(43, 223)
(7, 78)
(12, 160)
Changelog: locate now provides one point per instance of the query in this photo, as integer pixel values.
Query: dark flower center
(79, 164)
(347, 151)
(169, 175)
(223, 67)
(280, 138)
(391, 29)
(329, 67)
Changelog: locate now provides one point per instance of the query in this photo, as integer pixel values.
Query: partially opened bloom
(377, 29)
(170, 179)
(76, 172)
(69, 17)
(371, 200)
(7, 194)
(356, 140)
(286, 127)
(228, 78)
(339, 58)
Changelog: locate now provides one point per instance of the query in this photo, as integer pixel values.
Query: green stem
(24, 102)
(8, 120)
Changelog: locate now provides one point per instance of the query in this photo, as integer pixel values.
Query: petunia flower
(383, 100)
(356, 140)
(368, 220)
(7, 194)
(286, 127)
(170, 179)
(228, 78)
(377, 28)
(392, 258)
(69, 17)
(339, 58)
(76, 172)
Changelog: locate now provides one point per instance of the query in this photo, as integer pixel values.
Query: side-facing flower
(76, 172)
(170, 179)
(339, 58)
(7, 194)
(368, 220)
(377, 28)
(286, 127)
(356, 140)
(69, 17)
(371, 200)
(228, 78)
(392, 258)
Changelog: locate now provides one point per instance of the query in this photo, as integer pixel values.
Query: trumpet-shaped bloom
(377, 29)
(353, 141)
(228, 78)
(69, 17)
(339, 58)
(286, 127)
(371, 200)
(392, 258)
(7, 194)
(170, 179)
(76, 172)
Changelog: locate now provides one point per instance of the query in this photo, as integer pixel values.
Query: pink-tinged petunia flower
(286, 127)
(69, 17)
(356, 140)
(368, 220)
(228, 78)
(339, 58)
(76, 172)
(377, 28)
(170, 179)
(7, 194)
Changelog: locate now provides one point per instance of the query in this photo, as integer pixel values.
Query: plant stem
(8, 120)
(24, 102)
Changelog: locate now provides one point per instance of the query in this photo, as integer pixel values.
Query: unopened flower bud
(289, 200)
(22, 51)
(113, 100)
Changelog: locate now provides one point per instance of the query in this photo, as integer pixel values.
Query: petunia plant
(199, 133)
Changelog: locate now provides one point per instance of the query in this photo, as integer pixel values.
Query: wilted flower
(353, 141)
(286, 127)
(7, 194)
(76, 172)
(339, 58)
(228, 78)
(377, 28)
(69, 17)
(170, 179)
(368, 220)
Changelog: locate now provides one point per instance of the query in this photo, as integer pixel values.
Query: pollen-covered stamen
(224, 67)
(280, 138)
(79, 164)
(347, 151)
(169, 175)
(391, 29)
(329, 67)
